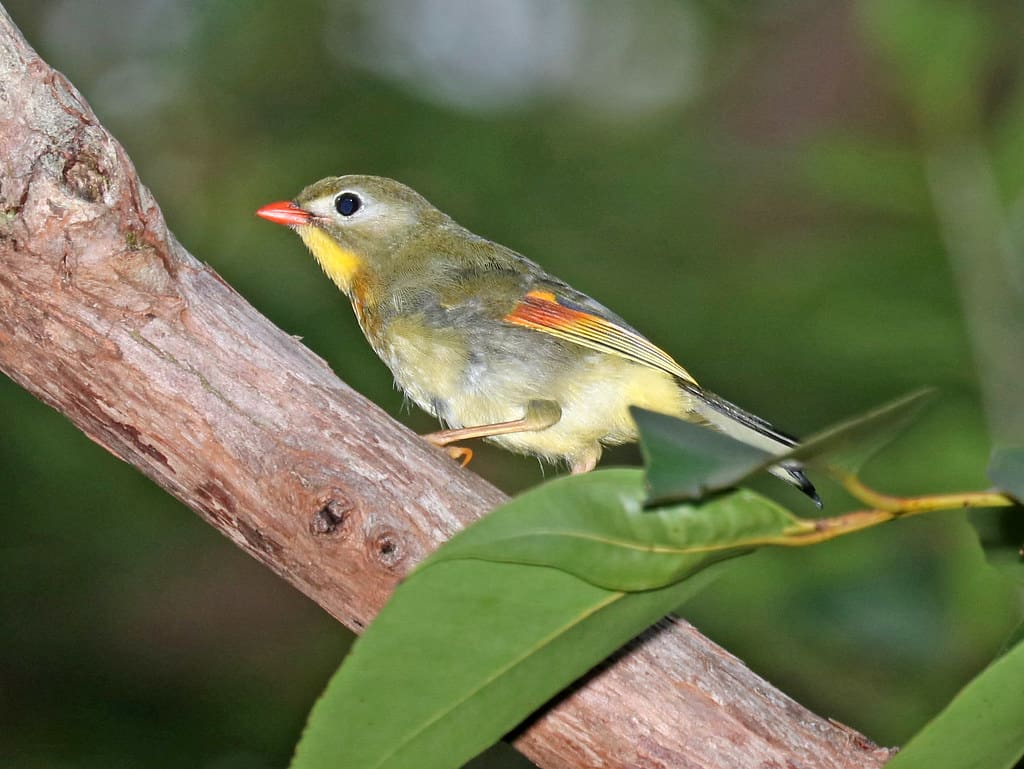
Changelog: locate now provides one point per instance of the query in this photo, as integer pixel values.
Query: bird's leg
(539, 416)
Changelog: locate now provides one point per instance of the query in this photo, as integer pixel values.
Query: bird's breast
(428, 362)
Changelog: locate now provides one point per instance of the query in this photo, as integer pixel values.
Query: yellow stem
(885, 508)
(928, 503)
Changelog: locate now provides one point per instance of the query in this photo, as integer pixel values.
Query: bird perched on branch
(491, 344)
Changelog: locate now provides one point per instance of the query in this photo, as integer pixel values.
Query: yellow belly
(595, 410)
(593, 390)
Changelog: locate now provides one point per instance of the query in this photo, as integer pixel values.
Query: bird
(491, 344)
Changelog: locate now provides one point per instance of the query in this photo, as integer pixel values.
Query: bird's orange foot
(460, 454)
(441, 439)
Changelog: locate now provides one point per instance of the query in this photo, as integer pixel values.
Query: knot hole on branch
(331, 515)
(386, 546)
(85, 176)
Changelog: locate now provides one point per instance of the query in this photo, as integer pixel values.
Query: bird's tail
(730, 419)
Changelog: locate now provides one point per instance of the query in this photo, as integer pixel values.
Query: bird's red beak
(285, 212)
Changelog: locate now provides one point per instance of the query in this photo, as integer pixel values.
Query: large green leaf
(462, 652)
(982, 728)
(595, 527)
(484, 632)
(1006, 470)
(671, 446)
(520, 604)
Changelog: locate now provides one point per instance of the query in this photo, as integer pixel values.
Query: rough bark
(105, 317)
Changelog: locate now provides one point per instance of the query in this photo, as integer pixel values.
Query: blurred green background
(815, 206)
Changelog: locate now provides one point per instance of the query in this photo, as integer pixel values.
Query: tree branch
(106, 318)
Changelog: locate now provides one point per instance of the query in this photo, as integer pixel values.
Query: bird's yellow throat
(340, 264)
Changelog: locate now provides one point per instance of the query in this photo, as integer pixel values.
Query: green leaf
(674, 474)
(462, 652)
(595, 527)
(1006, 471)
(982, 728)
(688, 461)
(483, 632)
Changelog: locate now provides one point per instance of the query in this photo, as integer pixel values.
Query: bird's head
(353, 224)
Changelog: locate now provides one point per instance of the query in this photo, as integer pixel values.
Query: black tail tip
(793, 472)
(814, 497)
(803, 483)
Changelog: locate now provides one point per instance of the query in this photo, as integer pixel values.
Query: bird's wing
(582, 321)
(563, 313)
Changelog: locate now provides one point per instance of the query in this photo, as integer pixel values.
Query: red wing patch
(541, 311)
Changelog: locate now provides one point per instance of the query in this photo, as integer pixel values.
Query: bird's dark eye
(347, 204)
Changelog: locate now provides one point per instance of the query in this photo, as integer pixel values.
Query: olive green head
(366, 211)
(356, 224)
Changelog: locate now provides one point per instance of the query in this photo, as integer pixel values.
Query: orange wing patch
(541, 311)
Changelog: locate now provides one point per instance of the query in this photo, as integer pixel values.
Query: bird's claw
(460, 454)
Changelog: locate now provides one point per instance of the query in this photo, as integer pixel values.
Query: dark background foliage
(814, 206)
